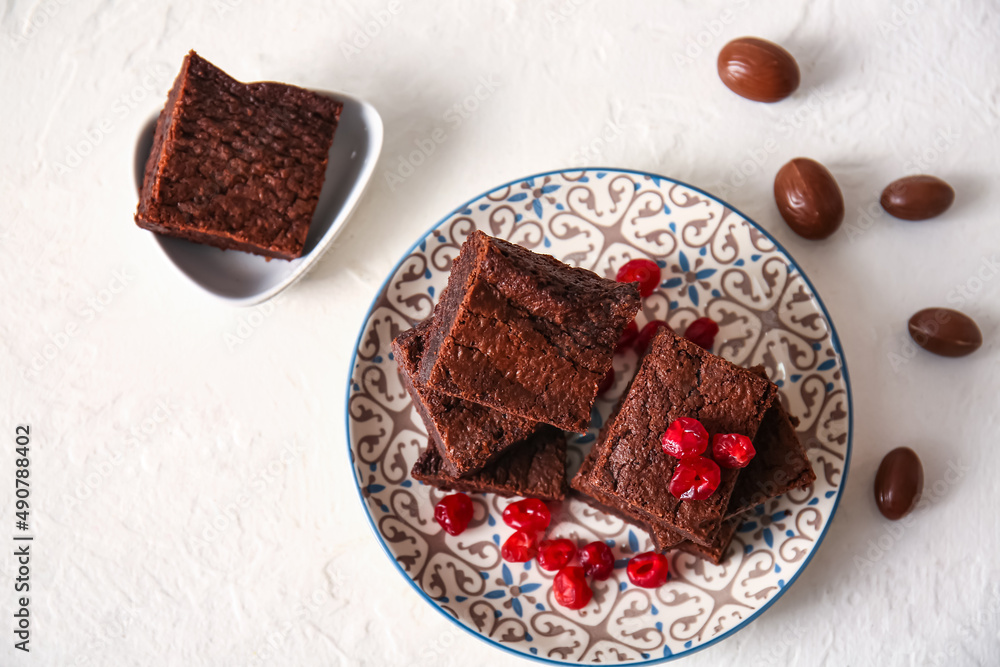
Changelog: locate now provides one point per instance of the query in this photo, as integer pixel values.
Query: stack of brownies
(628, 471)
(513, 356)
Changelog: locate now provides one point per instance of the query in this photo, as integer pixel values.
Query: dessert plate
(242, 279)
(715, 263)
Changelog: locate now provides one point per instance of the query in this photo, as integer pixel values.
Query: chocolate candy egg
(758, 70)
(917, 197)
(809, 198)
(899, 483)
(946, 332)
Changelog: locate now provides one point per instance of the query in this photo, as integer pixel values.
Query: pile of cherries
(696, 477)
(530, 518)
(646, 272)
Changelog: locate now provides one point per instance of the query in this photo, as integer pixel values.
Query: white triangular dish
(241, 279)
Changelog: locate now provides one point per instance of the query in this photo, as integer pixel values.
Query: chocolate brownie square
(677, 379)
(237, 165)
(663, 538)
(524, 333)
(534, 467)
(780, 465)
(467, 435)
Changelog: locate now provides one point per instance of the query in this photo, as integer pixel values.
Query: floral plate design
(716, 263)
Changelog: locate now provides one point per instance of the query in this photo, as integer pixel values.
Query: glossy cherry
(646, 272)
(732, 450)
(530, 514)
(454, 512)
(646, 334)
(648, 569)
(570, 587)
(597, 560)
(520, 547)
(629, 333)
(685, 438)
(695, 479)
(555, 554)
(702, 332)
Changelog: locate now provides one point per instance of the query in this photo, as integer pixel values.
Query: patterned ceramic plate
(716, 263)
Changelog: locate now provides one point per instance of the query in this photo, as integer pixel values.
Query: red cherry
(648, 570)
(597, 560)
(646, 272)
(702, 332)
(555, 554)
(732, 450)
(695, 479)
(530, 514)
(628, 337)
(570, 587)
(685, 438)
(519, 547)
(454, 512)
(607, 382)
(645, 336)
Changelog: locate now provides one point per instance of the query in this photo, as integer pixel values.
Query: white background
(137, 561)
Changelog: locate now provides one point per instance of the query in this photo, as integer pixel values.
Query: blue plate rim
(834, 339)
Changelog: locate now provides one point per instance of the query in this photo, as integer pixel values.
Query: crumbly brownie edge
(217, 239)
(793, 470)
(155, 161)
(405, 350)
(549, 484)
(463, 270)
(719, 548)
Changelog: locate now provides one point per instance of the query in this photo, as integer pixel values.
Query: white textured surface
(149, 421)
